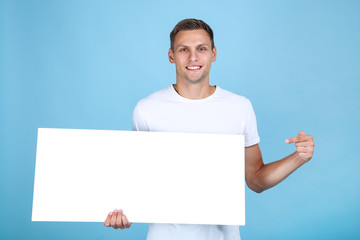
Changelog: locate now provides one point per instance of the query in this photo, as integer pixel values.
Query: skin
(193, 49)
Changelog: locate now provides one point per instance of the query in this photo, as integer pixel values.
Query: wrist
(301, 157)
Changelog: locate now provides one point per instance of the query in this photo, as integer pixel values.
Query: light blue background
(85, 64)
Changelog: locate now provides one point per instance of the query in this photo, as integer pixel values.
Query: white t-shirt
(223, 112)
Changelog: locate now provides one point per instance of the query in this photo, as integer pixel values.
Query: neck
(194, 90)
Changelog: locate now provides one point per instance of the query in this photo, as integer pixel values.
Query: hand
(304, 145)
(117, 219)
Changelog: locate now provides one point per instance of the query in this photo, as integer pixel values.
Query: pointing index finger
(291, 140)
(299, 138)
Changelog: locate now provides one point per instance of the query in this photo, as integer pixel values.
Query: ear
(171, 56)
(214, 54)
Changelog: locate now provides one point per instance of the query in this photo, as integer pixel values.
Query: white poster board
(155, 177)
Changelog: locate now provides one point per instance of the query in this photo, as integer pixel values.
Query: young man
(193, 105)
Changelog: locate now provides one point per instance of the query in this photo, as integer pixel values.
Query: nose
(193, 56)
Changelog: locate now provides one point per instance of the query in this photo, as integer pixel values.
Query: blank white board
(155, 177)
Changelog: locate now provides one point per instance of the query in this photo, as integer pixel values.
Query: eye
(202, 49)
(183, 50)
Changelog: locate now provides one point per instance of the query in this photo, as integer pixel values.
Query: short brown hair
(190, 24)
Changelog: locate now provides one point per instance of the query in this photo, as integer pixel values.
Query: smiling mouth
(193, 68)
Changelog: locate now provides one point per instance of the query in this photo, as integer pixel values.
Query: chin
(194, 81)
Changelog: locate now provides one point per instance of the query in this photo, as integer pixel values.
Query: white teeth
(192, 68)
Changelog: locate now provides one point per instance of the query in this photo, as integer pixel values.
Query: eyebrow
(202, 44)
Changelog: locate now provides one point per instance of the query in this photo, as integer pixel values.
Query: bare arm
(260, 176)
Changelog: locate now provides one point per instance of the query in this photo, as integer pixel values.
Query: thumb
(302, 133)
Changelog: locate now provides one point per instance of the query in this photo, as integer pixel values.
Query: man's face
(192, 55)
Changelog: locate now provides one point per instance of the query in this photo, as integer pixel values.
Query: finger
(305, 149)
(301, 149)
(119, 222)
(107, 220)
(113, 218)
(291, 140)
(305, 144)
(126, 221)
(298, 138)
(301, 144)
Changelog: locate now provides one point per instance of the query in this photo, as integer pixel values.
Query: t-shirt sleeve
(251, 132)
(138, 121)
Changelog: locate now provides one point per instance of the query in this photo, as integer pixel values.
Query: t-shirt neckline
(181, 98)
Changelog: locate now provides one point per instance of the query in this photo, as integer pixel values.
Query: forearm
(273, 173)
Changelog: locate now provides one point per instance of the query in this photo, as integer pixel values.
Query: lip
(193, 67)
